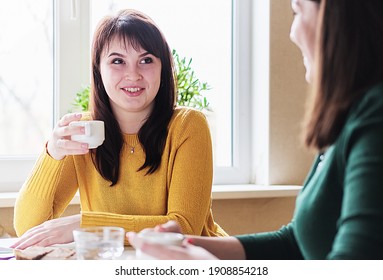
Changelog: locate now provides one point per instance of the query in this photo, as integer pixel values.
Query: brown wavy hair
(137, 29)
(348, 61)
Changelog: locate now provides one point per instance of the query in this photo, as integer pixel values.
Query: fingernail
(158, 228)
(84, 146)
(190, 241)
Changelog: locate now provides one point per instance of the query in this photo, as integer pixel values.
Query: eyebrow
(121, 55)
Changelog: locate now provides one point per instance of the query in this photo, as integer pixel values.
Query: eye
(117, 61)
(146, 60)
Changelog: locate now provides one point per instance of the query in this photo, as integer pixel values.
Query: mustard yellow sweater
(179, 190)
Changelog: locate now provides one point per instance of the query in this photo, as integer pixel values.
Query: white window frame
(71, 70)
(240, 171)
(72, 37)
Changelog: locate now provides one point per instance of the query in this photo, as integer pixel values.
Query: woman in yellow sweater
(155, 164)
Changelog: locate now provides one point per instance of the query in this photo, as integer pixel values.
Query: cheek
(107, 76)
(311, 43)
(155, 77)
(108, 83)
(103, 73)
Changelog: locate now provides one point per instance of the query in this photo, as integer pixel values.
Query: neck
(131, 122)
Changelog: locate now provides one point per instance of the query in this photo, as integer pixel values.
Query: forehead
(122, 43)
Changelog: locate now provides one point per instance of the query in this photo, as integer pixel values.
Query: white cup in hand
(155, 237)
(94, 134)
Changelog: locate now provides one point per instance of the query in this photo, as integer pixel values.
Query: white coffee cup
(94, 134)
(155, 237)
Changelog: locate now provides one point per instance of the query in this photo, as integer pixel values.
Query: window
(26, 85)
(40, 49)
(210, 32)
(26, 76)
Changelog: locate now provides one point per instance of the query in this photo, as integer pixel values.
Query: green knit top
(339, 212)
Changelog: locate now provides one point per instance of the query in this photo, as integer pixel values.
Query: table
(7, 253)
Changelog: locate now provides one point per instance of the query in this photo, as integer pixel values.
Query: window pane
(200, 30)
(26, 76)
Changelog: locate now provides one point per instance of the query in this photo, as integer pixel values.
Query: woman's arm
(360, 229)
(45, 194)
(198, 248)
(192, 176)
(194, 247)
(56, 231)
(224, 248)
(53, 181)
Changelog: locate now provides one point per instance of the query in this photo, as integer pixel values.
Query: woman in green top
(339, 212)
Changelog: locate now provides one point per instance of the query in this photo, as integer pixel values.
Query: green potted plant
(190, 88)
(81, 101)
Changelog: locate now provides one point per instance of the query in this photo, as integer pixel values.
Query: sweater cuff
(91, 218)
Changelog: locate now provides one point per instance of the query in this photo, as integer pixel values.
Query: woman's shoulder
(189, 124)
(370, 105)
(186, 114)
(365, 117)
(188, 120)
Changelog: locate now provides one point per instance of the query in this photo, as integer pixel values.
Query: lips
(132, 91)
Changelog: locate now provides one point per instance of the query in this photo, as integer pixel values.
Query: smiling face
(131, 77)
(303, 31)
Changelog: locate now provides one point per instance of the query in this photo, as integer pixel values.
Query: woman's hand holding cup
(60, 143)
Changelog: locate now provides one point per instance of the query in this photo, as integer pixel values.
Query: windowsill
(8, 199)
(253, 191)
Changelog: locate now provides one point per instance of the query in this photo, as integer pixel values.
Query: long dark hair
(137, 29)
(348, 61)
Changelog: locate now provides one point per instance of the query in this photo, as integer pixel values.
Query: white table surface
(5, 251)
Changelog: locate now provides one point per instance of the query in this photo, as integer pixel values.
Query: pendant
(132, 150)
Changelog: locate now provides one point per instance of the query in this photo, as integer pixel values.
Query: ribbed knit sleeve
(192, 176)
(45, 194)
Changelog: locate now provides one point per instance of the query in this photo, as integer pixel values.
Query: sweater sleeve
(360, 225)
(45, 194)
(192, 177)
(276, 245)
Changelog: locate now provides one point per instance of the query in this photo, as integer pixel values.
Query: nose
(132, 73)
